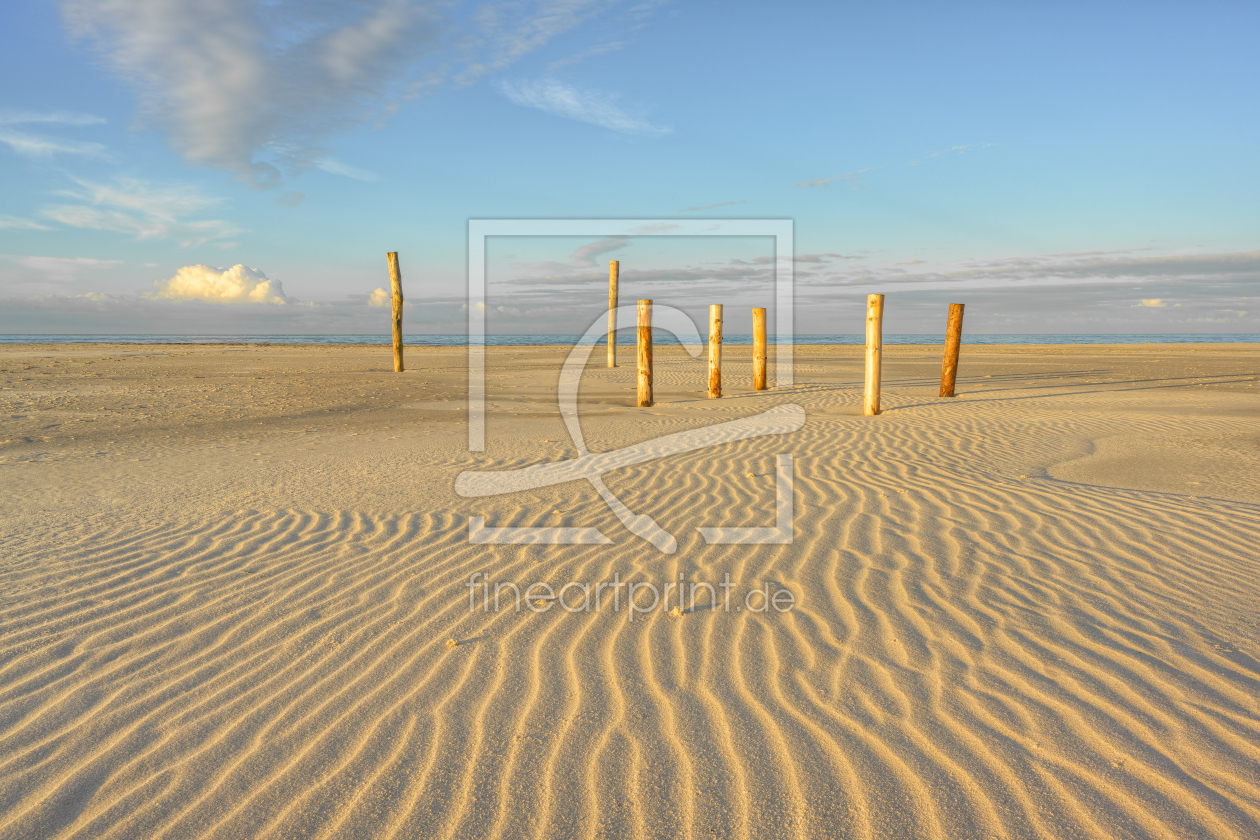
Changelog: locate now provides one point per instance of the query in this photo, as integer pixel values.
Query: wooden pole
(953, 338)
(645, 353)
(395, 284)
(613, 268)
(874, 353)
(715, 351)
(759, 349)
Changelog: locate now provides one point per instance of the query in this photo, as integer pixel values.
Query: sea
(628, 338)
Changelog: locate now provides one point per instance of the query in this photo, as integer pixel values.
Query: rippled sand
(234, 600)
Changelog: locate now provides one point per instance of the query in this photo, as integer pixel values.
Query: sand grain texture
(229, 576)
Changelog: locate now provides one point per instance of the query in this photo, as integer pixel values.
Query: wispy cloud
(39, 146)
(334, 167)
(585, 256)
(712, 206)
(66, 269)
(70, 118)
(853, 179)
(508, 31)
(602, 49)
(66, 265)
(1120, 269)
(14, 223)
(35, 146)
(555, 97)
(952, 150)
(144, 210)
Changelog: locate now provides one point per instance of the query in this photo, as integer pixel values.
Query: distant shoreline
(627, 339)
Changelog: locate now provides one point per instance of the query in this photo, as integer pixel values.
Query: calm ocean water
(626, 338)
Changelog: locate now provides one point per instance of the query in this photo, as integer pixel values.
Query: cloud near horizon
(236, 285)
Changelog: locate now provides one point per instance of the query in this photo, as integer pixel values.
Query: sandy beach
(235, 599)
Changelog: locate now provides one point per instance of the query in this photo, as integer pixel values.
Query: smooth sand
(230, 578)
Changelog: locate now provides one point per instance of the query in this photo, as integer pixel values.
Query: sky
(228, 166)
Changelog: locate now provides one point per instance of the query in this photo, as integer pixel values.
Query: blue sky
(1058, 167)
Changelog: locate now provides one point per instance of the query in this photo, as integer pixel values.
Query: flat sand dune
(235, 602)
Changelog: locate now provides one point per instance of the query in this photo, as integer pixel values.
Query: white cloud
(235, 81)
(142, 209)
(555, 97)
(237, 284)
(379, 297)
(250, 87)
(1154, 303)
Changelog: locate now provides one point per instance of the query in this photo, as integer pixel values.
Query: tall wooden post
(395, 285)
(759, 349)
(874, 353)
(613, 268)
(953, 338)
(645, 353)
(715, 351)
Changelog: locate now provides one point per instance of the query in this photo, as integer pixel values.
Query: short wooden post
(953, 338)
(645, 353)
(874, 353)
(759, 349)
(613, 268)
(395, 284)
(715, 351)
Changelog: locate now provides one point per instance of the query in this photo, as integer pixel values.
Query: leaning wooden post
(759, 349)
(613, 268)
(645, 353)
(395, 284)
(715, 351)
(874, 352)
(953, 338)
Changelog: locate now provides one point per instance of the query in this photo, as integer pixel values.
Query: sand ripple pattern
(957, 665)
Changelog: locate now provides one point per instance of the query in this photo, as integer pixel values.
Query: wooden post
(613, 268)
(395, 284)
(645, 353)
(759, 349)
(953, 338)
(715, 351)
(874, 352)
